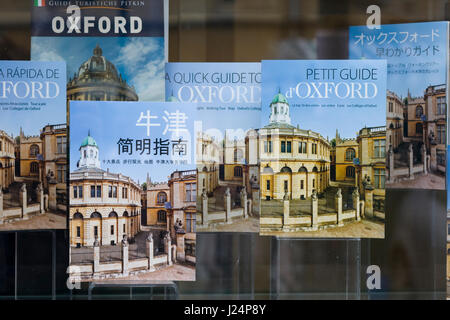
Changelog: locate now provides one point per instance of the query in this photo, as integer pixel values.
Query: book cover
(132, 191)
(228, 97)
(114, 52)
(33, 144)
(322, 148)
(416, 98)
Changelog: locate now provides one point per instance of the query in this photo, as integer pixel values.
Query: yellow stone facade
(7, 160)
(394, 119)
(30, 148)
(158, 194)
(103, 205)
(296, 172)
(346, 150)
(372, 162)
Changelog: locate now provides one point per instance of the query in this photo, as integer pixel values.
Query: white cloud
(136, 51)
(149, 81)
(41, 52)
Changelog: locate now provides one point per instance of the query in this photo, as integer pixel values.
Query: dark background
(412, 258)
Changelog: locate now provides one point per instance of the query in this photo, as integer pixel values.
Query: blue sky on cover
(221, 120)
(140, 60)
(400, 83)
(54, 112)
(280, 75)
(110, 121)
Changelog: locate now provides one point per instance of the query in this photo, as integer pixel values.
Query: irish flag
(39, 3)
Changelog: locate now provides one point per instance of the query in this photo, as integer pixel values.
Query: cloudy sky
(108, 122)
(417, 53)
(140, 60)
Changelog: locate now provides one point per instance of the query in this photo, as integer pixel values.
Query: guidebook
(416, 98)
(132, 191)
(228, 97)
(33, 158)
(114, 52)
(322, 148)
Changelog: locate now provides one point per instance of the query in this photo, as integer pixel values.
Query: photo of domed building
(312, 186)
(97, 79)
(104, 206)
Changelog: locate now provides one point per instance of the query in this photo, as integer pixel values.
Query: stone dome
(98, 64)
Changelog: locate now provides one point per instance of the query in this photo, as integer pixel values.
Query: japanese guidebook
(416, 98)
(322, 148)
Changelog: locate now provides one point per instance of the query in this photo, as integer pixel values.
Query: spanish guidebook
(228, 97)
(32, 145)
(322, 148)
(132, 191)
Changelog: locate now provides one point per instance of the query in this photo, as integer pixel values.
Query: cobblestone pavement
(357, 229)
(136, 250)
(429, 181)
(175, 272)
(251, 224)
(47, 220)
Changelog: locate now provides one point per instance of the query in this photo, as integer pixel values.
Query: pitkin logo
(39, 3)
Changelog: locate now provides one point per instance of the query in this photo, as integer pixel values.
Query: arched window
(162, 216)
(419, 128)
(267, 169)
(96, 215)
(350, 172)
(112, 214)
(315, 169)
(350, 154)
(1, 165)
(238, 155)
(34, 150)
(303, 169)
(238, 171)
(77, 215)
(34, 167)
(419, 111)
(85, 154)
(285, 169)
(161, 197)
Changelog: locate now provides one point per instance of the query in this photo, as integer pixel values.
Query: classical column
(391, 164)
(125, 265)
(167, 249)
(314, 210)
(204, 207)
(338, 206)
(40, 197)
(1, 206)
(23, 199)
(423, 150)
(368, 203)
(96, 256)
(150, 252)
(243, 195)
(227, 203)
(52, 194)
(355, 197)
(285, 210)
(411, 161)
